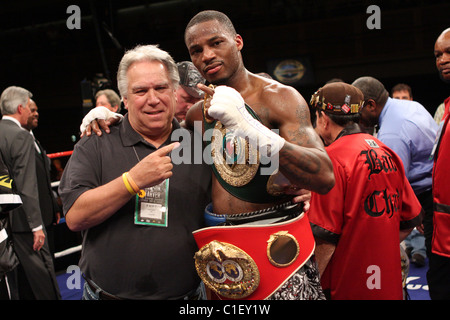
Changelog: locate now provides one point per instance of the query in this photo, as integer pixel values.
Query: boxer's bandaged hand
(228, 106)
(98, 113)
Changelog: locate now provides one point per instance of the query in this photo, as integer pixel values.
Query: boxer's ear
(239, 42)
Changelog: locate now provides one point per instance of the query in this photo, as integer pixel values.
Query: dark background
(39, 52)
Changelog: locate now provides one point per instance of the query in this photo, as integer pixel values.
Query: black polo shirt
(135, 261)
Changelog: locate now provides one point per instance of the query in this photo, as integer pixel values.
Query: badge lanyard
(152, 207)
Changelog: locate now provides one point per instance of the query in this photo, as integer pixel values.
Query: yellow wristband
(132, 183)
(134, 186)
(127, 184)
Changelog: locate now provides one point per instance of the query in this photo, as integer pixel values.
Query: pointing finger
(166, 149)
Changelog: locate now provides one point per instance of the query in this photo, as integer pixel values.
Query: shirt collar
(383, 112)
(348, 130)
(13, 120)
(130, 137)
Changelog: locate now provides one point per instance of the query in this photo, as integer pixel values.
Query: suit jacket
(18, 152)
(48, 204)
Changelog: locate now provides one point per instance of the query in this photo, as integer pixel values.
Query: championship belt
(236, 268)
(237, 166)
(235, 160)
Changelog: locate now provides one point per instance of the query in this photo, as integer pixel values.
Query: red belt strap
(252, 261)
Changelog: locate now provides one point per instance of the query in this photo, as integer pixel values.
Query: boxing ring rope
(67, 251)
(55, 184)
(59, 154)
(55, 155)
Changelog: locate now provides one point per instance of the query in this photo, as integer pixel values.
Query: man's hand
(99, 118)
(209, 92)
(280, 184)
(228, 106)
(154, 168)
(38, 240)
(301, 195)
(97, 125)
(57, 218)
(421, 228)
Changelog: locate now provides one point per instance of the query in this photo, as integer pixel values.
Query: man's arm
(97, 119)
(405, 233)
(324, 252)
(24, 170)
(303, 159)
(89, 208)
(195, 113)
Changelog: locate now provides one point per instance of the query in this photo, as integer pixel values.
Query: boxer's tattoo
(301, 166)
(302, 136)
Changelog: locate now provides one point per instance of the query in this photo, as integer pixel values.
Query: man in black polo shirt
(135, 208)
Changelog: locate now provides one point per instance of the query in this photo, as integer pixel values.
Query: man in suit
(49, 206)
(9, 200)
(35, 277)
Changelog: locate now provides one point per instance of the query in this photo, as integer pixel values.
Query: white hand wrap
(98, 113)
(228, 106)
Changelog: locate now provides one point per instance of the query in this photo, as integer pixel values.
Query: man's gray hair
(12, 97)
(145, 53)
(372, 89)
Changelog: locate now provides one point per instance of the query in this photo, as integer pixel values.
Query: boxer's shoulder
(275, 101)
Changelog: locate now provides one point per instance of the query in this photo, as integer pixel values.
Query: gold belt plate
(235, 159)
(227, 270)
